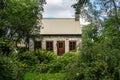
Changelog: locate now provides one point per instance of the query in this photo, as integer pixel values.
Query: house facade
(60, 35)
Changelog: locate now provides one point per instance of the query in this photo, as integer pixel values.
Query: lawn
(44, 76)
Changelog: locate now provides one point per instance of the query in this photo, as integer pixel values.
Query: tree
(79, 5)
(104, 14)
(100, 53)
(19, 18)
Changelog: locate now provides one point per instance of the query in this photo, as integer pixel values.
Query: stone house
(59, 35)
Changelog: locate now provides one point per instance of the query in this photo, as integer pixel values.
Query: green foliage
(44, 76)
(111, 34)
(28, 58)
(96, 66)
(10, 68)
(100, 55)
(44, 61)
(45, 56)
(37, 56)
(18, 19)
(6, 46)
(37, 60)
(79, 5)
(40, 68)
(61, 63)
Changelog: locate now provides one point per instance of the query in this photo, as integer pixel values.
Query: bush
(37, 60)
(100, 58)
(61, 63)
(44, 56)
(55, 66)
(44, 61)
(42, 68)
(98, 63)
(10, 68)
(28, 58)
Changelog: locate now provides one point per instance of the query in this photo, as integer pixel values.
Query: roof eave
(60, 34)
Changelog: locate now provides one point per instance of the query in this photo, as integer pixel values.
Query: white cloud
(53, 2)
(60, 9)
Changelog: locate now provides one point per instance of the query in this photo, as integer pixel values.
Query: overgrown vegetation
(100, 53)
(37, 61)
(98, 61)
(42, 61)
(44, 76)
(11, 68)
(18, 66)
(18, 19)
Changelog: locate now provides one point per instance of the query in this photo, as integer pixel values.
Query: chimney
(77, 16)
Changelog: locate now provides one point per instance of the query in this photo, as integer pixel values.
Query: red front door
(60, 47)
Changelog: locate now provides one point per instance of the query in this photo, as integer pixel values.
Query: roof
(60, 26)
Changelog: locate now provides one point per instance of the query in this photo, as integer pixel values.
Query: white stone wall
(61, 38)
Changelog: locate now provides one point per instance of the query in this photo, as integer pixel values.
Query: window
(72, 45)
(37, 45)
(49, 45)
(60, 44)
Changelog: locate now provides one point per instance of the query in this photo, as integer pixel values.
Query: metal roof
(60, 26)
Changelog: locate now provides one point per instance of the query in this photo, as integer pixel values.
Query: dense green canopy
(100, 53)
(18, 18)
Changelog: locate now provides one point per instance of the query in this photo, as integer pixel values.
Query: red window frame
(72, 45)
(49, 45)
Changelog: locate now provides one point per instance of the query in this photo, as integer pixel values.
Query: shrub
(10, 68)
(55, 66)
(44, 56)
(96, 64)
(28, 58)
(37, 56)
(61, 63)
(44, 61)
(41, 68)
(37, 60)
(68, 57)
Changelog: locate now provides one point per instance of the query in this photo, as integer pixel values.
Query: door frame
(58, 47)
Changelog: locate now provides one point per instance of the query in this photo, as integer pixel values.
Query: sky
(60, 9)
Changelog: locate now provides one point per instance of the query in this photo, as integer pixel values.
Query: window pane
(49, 45)
(72, 46)
(60, 45)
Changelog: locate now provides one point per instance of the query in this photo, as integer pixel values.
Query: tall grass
(44, 76)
